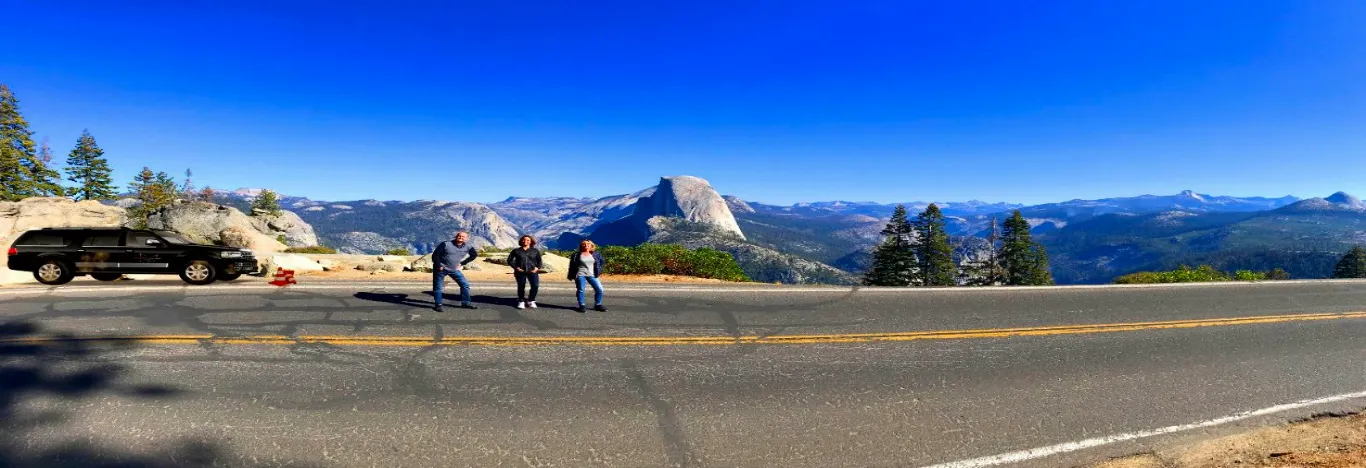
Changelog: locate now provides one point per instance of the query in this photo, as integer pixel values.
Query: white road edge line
(1040, 452)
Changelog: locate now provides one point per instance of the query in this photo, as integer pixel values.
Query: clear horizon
(760, 201)
(774, 103)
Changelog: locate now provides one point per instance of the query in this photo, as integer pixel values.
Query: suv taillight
(13, 251)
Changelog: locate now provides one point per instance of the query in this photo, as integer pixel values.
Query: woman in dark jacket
(585, 266)
(526, 267)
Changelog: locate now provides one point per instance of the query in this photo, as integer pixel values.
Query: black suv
(56, 255)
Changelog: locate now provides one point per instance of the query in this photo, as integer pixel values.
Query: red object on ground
(284, 277)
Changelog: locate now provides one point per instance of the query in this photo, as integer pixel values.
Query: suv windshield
(173, 238)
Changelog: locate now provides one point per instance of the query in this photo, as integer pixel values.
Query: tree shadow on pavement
(511, 302)
(45, 376)
(397, 299)
(404, 300)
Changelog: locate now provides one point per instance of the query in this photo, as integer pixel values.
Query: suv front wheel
(198, 272)
(53, 273)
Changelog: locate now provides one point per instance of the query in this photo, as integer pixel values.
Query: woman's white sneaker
(521, 305)
(531, 304)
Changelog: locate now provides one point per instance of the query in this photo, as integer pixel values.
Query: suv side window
(138, 239)
(44, 239)
(102, 240)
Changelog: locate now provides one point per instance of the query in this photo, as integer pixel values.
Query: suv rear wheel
(53, 273)
(106, 276)
(198, 272)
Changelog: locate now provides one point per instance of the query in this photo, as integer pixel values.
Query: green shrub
(311, 250)
(668, 259)
(399, 251)
(1201, 274)
(282, 239)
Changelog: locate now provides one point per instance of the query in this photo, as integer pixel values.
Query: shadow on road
(404, 300)
(511, 302)
(397, 299)
(41, 383)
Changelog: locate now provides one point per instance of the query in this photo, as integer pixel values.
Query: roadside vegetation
(1200, 274)
(319, 249)
(667, 259)
(1352, 265)
(399, 252)
(918, 253)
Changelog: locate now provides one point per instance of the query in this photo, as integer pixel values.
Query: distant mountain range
(1090, 241)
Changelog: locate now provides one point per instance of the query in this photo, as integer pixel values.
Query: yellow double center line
(682, 340)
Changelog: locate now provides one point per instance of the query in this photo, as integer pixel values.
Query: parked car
(56, 255)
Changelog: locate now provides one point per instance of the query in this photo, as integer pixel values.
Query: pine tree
(22, 172)
(87, 167)
(266, 201)
(934, 256)
(153, 191)
(167, 185)
(1023, 261)
(894, 259)
(45, 157)
(1352, 265)
(1040, 274)
(993, 274)
(187, 188)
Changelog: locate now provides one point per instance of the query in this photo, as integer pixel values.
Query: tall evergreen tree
(993, 274)
(934, 257)
(87, 167)
(45, 157)
(894, 259)
(266, 201)
(45, 153)
(22, 172)
(1023, 261)
(1352, 265)
(1040, 273)
(153, 191)
(187, 189)
(167, 186)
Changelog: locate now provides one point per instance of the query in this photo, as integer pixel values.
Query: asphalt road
(342, 374)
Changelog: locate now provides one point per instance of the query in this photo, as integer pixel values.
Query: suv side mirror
(154, 242)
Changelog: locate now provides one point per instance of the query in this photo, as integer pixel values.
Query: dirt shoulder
(1324, 442)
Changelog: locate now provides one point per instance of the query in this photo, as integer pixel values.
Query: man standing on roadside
(447, 260)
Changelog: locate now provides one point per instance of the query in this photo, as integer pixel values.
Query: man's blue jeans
(439, 283)
(597, 288)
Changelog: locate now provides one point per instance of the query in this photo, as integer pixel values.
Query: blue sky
(774, 101)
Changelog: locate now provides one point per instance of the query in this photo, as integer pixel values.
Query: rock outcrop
(371, 228)
(286, 223)
(210, 223)
(548, 218)
(244, 238)
(692, 199)
(737, 205)
(38, 213)
(686, 198)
